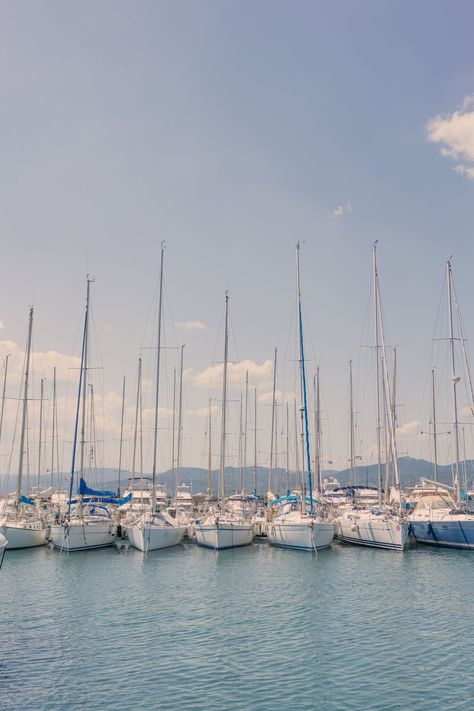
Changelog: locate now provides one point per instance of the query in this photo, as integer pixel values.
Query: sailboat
(441, 518)
(224, 526)
(87, 523)
(300, 521)
(19, 522)
(154, 529)
(382, 525)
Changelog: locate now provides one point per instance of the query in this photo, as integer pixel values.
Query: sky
(230, 131)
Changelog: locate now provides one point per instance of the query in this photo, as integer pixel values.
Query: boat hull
(151, 538)
(447, 534)
(301, 536)
(19, 536)
(223, 535)
(392, 535)
(3, 545)
(79, 537)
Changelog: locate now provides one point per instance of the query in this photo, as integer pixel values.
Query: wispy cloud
(410, 429)
(203, 411)
(280, 397)
(342, 210)
(454, 133)
(191, 325)
(259, 374)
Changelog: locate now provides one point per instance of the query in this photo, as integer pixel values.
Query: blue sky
(231, 130)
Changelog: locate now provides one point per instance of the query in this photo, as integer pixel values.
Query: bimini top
(292, 497)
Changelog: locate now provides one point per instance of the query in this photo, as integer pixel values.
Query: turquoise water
(253, 628)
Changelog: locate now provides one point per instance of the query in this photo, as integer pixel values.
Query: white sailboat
(86, 524)
(301, 522)
(154, 529)
(222, 526)
(381, 526)
(19, 523)
(439, 518)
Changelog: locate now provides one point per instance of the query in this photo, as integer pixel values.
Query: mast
(121, 436)
(270, 471)
(255, 446)
(3, 393)
(180, 419)
(351, 427)
(435, 443)
(53, 427)
(224, 402)
(317, 454)
(25, 405)
(173, 423)
(390, 398)
(287, 448)
(245, 428)
(454, 380)
(240, 448)
(303, 379)
(157, 385)
(40, 429)
(137, 413)
(209, 456)
(79, 390)
(377, 369)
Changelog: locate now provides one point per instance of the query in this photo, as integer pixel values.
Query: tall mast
(40, 429)
(53, 428)
(209, 456)
(3, 393)
(351, 427)
(255, 446)
(454, 380)
(287, 448)
(390, 398)
(435, 442)
(137, 414)
(180, 419)
(224, 401)
(173, 423)
(297, 455)
(272, 438)
(25, 405)
(240, 458)
(157, 385)
(317, 457)
(303, 378)
(245, 427)
(79, 390)
(84, 382)
(121, 436)
(377, 369)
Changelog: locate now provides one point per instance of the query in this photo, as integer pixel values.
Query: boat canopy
(85, 490)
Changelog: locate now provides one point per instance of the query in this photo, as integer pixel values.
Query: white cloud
(280, 397)
(191, 325)
(2, 325)
(342, 210)
(203, 411)
(43, 362)
(455, 135)
(259, 374)
(411, 428)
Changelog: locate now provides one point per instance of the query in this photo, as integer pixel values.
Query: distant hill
(410, 472)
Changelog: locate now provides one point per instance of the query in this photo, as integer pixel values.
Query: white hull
(223, 535)
(21, 535)
(3, 545)
(149, 537)
(78, 536)
(375, 531)
(302, 536)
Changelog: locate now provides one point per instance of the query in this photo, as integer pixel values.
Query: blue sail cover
(25, 500)
(85, 490)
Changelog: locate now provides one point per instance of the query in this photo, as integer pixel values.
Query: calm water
(253, 628)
